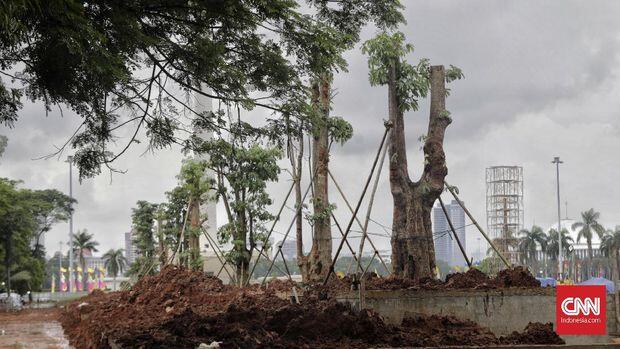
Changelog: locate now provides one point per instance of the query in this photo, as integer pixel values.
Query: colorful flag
(63, 281)
(100, 282)
(79, 284)
(90, 283)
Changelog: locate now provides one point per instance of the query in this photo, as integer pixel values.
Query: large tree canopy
(103, 58)
(24, 215)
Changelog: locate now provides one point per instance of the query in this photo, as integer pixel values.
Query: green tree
(413, 253)
(19, 225)
(143, 220)
(610, 247)
(115, 263)
(553, 247)
(101, 56)
(195, 186)
(243, 167)
(3, 143)
(173, 214)
(83, 243)
(529, 242)
(50, 207)
(589, 226)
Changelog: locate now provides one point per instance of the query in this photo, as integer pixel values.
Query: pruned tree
(243, 166)
(143, 225)
(413, 252)
(195, 186)
(341, 22)
(315, 264)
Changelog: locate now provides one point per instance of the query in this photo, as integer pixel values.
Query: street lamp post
(557, 162)
(70, 161)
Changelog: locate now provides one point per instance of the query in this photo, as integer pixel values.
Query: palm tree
(527, 246)
(115, 262)
(610, 246)
(553, 247)
(588, 226)
(82, 242)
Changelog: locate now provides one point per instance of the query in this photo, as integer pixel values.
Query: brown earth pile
(535, 333)
(179, 308)
(472, 279)
(434, 331)
(515, 277)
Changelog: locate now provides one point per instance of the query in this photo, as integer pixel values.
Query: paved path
(32, 328)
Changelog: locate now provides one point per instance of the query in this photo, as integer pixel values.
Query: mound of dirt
(434, 331)
(535, 333)
(179, 308)
(515, 277)
(473, 278)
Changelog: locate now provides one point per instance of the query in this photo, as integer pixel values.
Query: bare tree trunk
(195, 261)
(163, 255)
(413, 251)
(590, 259)
(320, 256)
(297, 171)
(243, 260)
(614, 270)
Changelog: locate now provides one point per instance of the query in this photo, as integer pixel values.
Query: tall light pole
(557, 162)
(70, 161)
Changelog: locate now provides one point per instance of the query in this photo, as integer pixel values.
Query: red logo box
(580, 310)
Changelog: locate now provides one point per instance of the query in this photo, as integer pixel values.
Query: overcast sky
(541, 80)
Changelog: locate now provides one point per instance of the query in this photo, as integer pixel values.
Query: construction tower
(504, 194)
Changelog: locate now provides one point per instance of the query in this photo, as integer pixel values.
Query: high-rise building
(130, 248)
(289, 249)
(204, 105)
(446, 247)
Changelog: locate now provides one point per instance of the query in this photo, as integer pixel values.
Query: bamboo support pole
(359, 203)
(501, 256)
(458, 241)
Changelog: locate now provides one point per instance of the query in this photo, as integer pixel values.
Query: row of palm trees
(84, 244)
(533, 240)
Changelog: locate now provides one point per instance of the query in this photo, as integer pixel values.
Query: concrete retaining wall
(503, 311)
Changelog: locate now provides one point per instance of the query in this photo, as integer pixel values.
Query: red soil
(179, 308)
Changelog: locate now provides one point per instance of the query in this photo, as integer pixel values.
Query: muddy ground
(182, 309)
(32, 329)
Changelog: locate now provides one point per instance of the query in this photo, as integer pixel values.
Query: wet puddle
(32, 328)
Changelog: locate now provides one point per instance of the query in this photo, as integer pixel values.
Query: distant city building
(289, 249)
(446, 247)
(130, 248)
(259, 246)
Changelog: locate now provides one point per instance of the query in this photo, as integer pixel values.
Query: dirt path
(32, 328)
